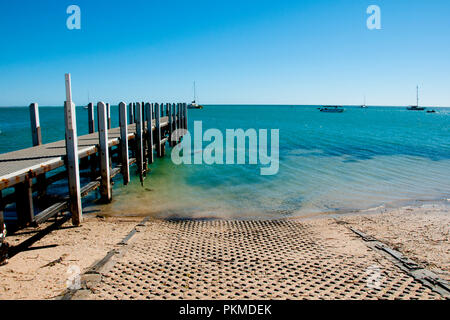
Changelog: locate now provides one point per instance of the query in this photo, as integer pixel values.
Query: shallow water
(359, 159)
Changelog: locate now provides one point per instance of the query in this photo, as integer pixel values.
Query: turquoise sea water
(360, 159)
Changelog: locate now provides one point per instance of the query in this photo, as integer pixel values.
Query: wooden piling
(158, 130)
(91, 118)
(91, 129)
(149, 115)
(185, 116)
(35, 125)
(24, 202)
(105, 187)
(131, 113)
(72, 155)
(174, 122)
(37, 141)
(124, 143)
(179, 121)
(139, 142)
(108, 114)
(169, 116)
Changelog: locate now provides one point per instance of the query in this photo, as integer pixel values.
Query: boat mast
(195, 98)
(417, 95)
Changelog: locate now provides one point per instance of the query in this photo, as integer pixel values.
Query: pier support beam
(131, 113)
(180, 124)
(73, 166)
(149, 115)
(139, 142)
(24, 202)
(108, 113)
(169, 115)
(91, 118)
(37, 140)
(35, 125)
(159, 153)
(91, 128)
(174, 123)
(105, 187)
(124, 143)
(185, 116)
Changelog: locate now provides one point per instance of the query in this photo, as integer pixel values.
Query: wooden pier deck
(17, 165)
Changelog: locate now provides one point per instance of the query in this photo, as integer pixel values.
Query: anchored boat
(332, 109)
(194, 104)
(416, 107)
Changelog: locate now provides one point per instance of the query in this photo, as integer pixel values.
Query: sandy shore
(421, 233)
(42, 271)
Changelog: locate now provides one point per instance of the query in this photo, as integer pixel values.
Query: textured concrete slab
(285, 259)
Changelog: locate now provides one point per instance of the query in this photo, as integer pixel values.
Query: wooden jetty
(99, 156)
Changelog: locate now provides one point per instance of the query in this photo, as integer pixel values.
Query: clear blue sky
(246, 51)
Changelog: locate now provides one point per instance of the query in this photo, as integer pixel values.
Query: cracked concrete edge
(93, 276)
(424, 276)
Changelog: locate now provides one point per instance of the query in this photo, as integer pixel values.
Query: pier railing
(87, 162)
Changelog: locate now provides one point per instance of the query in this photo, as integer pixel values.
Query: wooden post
(91, 128)
(169, 116)
(73, 166)
(180, 123)
(105, 187)
(35, 125)
(108, 113)
(124, 142)
(139, 142)
(149, 115)
(134, 112)
(174, 121)
(37, 140)
(185, 116)
(131, 109)
(158, 130)
(24, 202)
(91, 118)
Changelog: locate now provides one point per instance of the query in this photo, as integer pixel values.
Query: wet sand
(421, 233)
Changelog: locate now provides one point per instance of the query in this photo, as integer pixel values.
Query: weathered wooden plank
(149, 115)
(105, 188)
(139, 142)
(72, 155)
(123, 121)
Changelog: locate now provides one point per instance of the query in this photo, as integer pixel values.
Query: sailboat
(364, 105)
(194, 104)
(416, 107)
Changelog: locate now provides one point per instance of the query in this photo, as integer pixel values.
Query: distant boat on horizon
(416, 107)
(194, 104)
(332, 109)
(364, 105)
